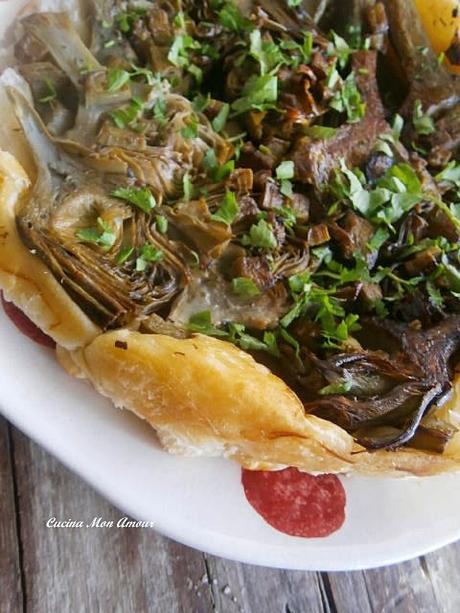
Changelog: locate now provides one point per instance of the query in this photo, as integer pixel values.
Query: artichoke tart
(241, 221)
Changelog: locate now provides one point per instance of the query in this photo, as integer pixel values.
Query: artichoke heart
(70, 196)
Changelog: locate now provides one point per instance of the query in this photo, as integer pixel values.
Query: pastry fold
(205, 397)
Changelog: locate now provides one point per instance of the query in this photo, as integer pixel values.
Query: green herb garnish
(231, 18)
(348, 100)
(260, 235)
(259, 93)
(200, 103)
(219, 121)
(320, 132)
(148, 254)
(126, 116)
(450, 174)
(141, 197)
(180, 51)
(102, 234)
(191, 130)
(161, 224)
(423, 123)
(245, 287)
(116, 79)
(202, 322)
(187, 187)
(342, 387)
(285, 172)
(124, 255)
(228, 209)
(52, 93)
(127, 19)
(217, 172)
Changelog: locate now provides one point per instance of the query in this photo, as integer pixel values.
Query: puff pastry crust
(206, 397)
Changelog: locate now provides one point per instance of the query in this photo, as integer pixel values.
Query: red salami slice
(27, 327)
(296, 503)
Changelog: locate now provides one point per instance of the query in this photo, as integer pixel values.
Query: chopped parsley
(290, 340)
(320, 132)
(294, 53)
(116, 79)
(237, 334)
(52, 93)
(260, 235)
(161, 224)
(269, 55)
(335, 325)
(240, 337)
(159, 111)
(434, 294)
(271, 343)
(450, 174)
(245, 287)
(231, 18)
(285, 172)
(180, 54)
(219, 121)
(395, 194)
(379, 239)
(228, 209)
(423, 123)
(216, 171)
(101, 234)
(128, 115)
(141, 197)
(397, 127)
(126, 19)
(341, 387)
(202, 322)
(259, 93)
(124, 255)
(191, 129)
(200, 103)
(341, 49)
(348, 100)
(187, 186)
(148, 254)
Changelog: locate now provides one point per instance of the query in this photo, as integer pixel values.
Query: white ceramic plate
(201, 502)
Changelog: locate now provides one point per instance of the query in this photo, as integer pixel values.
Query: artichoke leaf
(56, 32)
(68, 195)
(209, 291)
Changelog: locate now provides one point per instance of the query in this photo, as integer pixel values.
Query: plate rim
(220, 545)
